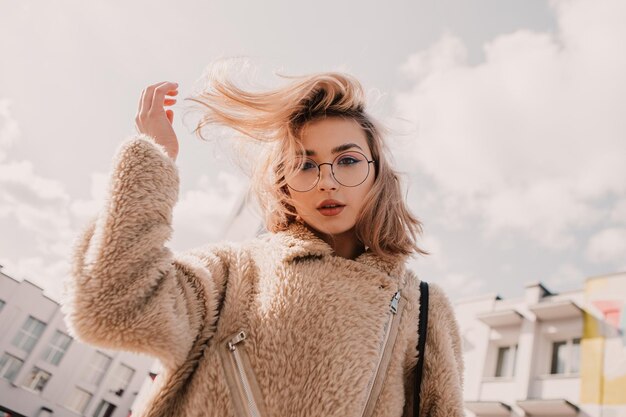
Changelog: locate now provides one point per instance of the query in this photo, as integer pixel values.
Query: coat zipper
(390, 332)
(242, 382)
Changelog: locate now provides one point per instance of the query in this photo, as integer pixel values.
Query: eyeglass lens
(349, 169)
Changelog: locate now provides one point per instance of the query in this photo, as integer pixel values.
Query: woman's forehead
(333, 135)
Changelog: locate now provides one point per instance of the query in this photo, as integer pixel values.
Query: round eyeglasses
(349, 169)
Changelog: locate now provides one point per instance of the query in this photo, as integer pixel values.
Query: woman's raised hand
(152, 118)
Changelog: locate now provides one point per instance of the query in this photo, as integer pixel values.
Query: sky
(507, 120)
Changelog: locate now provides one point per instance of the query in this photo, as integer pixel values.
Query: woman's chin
(329, 228)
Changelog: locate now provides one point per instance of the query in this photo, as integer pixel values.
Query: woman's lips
(330, 211)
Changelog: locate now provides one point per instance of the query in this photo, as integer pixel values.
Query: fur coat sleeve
(127, 290)
(442, 379)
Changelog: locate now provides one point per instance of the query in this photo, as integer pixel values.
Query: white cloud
(47, 219)
(545, 211)
(436, 259)
(436, 268)
(201, 213)
(40, 213)
(37, 203)
(608, 245)
(82, 209)
(9, 128)
(459, 285)
(567, 276)
(40, 271)
(532, 139)
(39, 206)
(618, 214)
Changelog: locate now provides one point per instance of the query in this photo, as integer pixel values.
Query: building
(547, 354)
(45, 372)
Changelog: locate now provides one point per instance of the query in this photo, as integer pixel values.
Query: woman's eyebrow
(336, 149)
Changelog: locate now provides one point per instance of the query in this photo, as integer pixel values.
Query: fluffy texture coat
(314, 320)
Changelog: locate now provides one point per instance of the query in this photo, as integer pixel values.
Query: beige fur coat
(275, 326)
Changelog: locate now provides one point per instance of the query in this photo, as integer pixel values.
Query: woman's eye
(348, 160)
(307, 165)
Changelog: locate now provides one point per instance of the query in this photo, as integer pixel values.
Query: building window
(565, 356)
(574, 366)
(97, 368)
(37, 380)
(28, 335)
(9, 366)
(507, 357)
(78, 400)
(56, 349)
(121, 379)
(45, 412)
(105, 409)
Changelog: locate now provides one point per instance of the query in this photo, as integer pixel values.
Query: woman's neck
(345, 244)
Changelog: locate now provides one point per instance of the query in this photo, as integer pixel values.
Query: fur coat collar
(298, 241)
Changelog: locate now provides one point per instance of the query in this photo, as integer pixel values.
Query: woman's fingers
(146, 99)
(159, 96)
(140, 102)
(139, 110)
(154, 120)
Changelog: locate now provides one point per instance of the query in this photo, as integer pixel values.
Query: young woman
(318, 317)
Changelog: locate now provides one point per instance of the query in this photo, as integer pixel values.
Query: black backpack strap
(421, 344)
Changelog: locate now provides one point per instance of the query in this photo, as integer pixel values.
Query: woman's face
(332, 206)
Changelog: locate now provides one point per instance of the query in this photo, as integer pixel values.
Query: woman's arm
(127, 290)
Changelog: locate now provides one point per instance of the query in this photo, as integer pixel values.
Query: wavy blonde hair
(276, 117)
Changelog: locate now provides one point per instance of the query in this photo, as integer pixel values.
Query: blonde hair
(276, 118)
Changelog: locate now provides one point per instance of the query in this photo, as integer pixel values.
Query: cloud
(9, 128)
(38, 270)
(461, 285)
(618, 214)
(566, 276)
(45, 219)
(201, 213)
(35, 210)
(85, 209)
(36, 204)
(436, 268)
(532, 139)
(607, 246)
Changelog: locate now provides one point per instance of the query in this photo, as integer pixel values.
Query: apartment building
(45, 372)
(547, 354)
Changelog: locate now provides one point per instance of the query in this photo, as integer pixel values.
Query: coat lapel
(297, 241)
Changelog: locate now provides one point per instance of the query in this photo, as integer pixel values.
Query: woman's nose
(327, 180)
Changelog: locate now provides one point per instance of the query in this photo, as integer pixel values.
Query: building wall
(19, 300)
(591, 377)
(604, 342)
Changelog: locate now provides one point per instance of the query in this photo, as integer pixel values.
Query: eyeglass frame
(319, 172)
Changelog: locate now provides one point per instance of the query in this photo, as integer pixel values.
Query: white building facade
(45, 372)
(547, 354)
